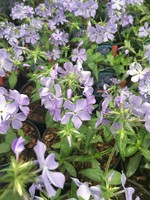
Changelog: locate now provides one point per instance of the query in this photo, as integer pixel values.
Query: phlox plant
(89, 61)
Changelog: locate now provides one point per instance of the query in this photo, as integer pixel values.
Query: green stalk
(110, 159)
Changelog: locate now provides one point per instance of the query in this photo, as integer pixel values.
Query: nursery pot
(104, 48)
(37, 111)
(32, 134)
(104, 77)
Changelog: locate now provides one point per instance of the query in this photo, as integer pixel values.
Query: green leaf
(113, 177)
(10, 137)
(73, 190)
(65, 149)
(81, 158)
(12, 79)
(133, 164)
(70, 168)
(48, 120)
(4, 147)
(145, 153)
(96, 138)
(93, 174)
(147, 166)
(121, 143)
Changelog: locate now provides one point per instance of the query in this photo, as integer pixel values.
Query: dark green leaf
(145, 153)
(70, 168)
(12, 79)
(133, 164)
(93, 174)
(65, 149)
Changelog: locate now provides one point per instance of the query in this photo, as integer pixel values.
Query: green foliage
(93, 174)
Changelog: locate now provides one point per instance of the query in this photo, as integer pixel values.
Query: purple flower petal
(76, 121)
(40, 150)
(56, 178)
(18, 146)
(84, 192)
(50, 162)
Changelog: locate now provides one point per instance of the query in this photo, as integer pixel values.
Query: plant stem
(110, 158)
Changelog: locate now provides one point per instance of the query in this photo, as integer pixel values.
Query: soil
(50, 137)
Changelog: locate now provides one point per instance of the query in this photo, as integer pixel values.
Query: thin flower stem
(110, 158)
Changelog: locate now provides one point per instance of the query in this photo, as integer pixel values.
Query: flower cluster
(69, 105)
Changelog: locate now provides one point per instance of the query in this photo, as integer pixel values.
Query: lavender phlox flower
(135, 105)
(85, 9)
(37, 23)
(18, 52)
(103, 111)
(4, 126)
(129, 190)
(85, 192)
(44, 10)
(92, 6)
(54, 103)
(21, 11)
(60, 17)
(132, 2)
(68, 69)
(147, 52)
(125, 92)
(18, 146)
(136, 71)
(126, 20)
(23, 30)
(59, 38)
(5, 62)
(31, 36)
(21, 100)
(117, 4)
(57, 35)
(144, 85)
(77, 112)
(85, 78)
(17, 118)
(79, 55)
(6, 109)
(48, 82)
(11, 34)
(48, 176)
(90, 102)
(144, 31)
(96, 33)
(56, 54)
(109, 30)
(52, 24)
